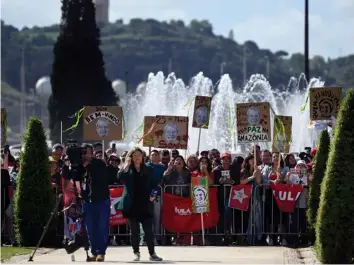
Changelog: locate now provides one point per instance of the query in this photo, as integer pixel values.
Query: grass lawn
(8, 252)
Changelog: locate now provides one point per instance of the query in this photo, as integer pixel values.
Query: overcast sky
(273, 24)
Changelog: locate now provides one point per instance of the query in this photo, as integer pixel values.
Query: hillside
(133, 50)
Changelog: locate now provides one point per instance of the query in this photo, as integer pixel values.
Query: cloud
(284, 29)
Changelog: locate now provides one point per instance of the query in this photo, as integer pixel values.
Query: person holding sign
(137, 200)
(273, 215)
(299, 176)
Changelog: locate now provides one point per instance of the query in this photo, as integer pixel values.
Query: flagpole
(203, 232)
(61, 132)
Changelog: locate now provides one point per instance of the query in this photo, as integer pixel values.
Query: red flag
(240, 196)
(177, 215)
(286, 195)
(116, 217)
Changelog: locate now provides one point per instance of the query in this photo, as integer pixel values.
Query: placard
(297, 176)
(148, 136)
(324, 102)
(103, 123)
(201, 112)
(253, 122)
(200, 194)
(171, 132)
(3, 127)
(282, 143)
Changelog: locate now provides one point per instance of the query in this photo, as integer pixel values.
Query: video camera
(75, 155)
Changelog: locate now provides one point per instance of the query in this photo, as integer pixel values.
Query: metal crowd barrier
(262, 223)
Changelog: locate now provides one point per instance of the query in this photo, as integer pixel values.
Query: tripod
(45, 229)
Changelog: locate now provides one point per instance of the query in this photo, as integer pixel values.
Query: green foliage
(319, 169)
(34, 196)
(78, 75)
(133, 50)
(335, 222)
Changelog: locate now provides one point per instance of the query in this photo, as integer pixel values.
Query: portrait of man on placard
(102, 127)
(170, 132)
(200, 196)
(326, 108)
(201, 116)
(253, 116)
(280, 142)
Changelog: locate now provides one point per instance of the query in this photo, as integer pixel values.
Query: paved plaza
(174, 255)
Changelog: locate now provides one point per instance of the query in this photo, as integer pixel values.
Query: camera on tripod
(75, 155)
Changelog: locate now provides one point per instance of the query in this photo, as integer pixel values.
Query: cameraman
(96, 201)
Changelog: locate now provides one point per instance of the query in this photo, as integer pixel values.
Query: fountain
(168, 96)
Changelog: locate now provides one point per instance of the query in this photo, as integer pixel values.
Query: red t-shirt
(273, 176)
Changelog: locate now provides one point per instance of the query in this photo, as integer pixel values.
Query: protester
(165, 158)
(137, 200)
(158, 170)
(290, 161)
(177, 174)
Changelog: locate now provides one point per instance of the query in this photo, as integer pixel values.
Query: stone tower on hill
(102, 11)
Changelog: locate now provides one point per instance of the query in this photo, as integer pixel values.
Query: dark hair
(267, 151)
(165, 153)
(87, 146)
(287, 161)
(209, 167)
(246, 166)
(155, 151)
(238, 161)
(97, 144)
(181, 157)
(136, 149)
(281, 159)
(175, 152)
(217, 161)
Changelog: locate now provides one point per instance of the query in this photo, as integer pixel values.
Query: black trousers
(135, 234)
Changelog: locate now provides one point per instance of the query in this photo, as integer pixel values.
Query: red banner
(286, 195)
(177, 215)
(116, 217)
(240, 196)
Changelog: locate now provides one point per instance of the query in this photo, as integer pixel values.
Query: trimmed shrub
(335, 221)
(319, 167)
(34, 196)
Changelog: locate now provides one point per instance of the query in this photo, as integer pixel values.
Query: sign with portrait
(103, 123)
(253, 122)
(298, 176)
(201, 112)
(171, 132)
(148, 136)
(200, 194)
(324, 102)
(3, 126)
(281, 142)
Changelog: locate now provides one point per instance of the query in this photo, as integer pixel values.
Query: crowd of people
(167, 168)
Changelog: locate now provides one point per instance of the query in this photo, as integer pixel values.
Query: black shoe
(154, 257)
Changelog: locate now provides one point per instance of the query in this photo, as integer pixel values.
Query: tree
(34, 196)
(319, 169)
(78, 75)
(335, 222)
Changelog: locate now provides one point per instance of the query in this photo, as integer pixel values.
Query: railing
(262, 223)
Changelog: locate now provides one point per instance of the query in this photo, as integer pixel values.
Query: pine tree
(319, 168)
(34, 197)
(335, 222)
(78, 75)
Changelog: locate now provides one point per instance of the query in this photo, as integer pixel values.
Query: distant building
(102, 11)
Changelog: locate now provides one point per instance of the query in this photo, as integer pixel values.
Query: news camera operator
(91, 175)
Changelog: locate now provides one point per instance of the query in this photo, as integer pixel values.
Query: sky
(272, 24)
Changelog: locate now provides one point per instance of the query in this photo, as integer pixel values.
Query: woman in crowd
(290, 161)
(250, 174)
(177, 178)
(274, 219)
(177, 174)
(204, 169)
(298, 217)
(137, 201)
